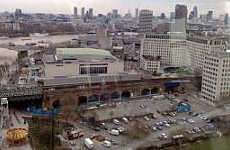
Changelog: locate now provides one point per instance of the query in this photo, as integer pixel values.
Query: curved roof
(82, 51)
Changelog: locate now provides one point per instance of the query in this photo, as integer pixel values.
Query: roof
(82, 51)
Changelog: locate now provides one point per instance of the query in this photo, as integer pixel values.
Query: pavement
(132, 108)
(17, 122)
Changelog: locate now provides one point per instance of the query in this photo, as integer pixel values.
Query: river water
(7, 55)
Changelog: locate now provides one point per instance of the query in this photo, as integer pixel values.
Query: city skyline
(66, 7)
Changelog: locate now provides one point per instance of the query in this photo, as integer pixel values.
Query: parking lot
(152, 114)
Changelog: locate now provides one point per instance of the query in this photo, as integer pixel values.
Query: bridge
(20, 92)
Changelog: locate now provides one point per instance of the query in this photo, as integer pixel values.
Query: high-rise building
(136, 13)
(170, 47)
(172, 16)
(209, 16)
(191, 15)
(83, 12)
(226, 19)
(215, 79)
(75, 11)
(115, 13)
(163, 17)
(145, 22)
(198, 47)
(181, 12)
(91, 13)
(195, 12)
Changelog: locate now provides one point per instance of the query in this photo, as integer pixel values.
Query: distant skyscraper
(191, 15)
(181, 12)
(83, 12)
(18, 11)
(115, 13)
(226, 19)
(163, 17)
(145, 22)
(209, 15)
(195, 11)
(75, 11)
(136, 13)
(91, 12)
(172, 16)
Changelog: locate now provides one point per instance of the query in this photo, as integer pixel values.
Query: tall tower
(181, 12)
(145, 22)
(136, 13)
(90, 12)
(209, 15)
(82, 12)
(195, 12)
(226, 19)
(75, 12)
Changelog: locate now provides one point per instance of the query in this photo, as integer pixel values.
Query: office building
(209, 16)
(195, 12)
(91, 13)
(82, 12)
(226, 19)
(145, 22)
(75, 12)
(172, 17)
(150, 63)
(170, 48)
(115, 13)
(136, 13)
(181, 12)
(216, 78)
(163, 17)
(198, 47)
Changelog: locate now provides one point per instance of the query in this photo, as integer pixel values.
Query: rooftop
(82, 51)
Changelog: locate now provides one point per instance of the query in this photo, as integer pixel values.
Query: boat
(39, 34)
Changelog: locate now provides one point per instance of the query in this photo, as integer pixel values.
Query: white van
(88, 143)
(114, 132)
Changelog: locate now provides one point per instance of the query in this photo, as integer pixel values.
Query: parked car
(190, 121)
(121, 129)
(167, 125)
(106, 143)
(162, 136)
(146, 118)
(116, 122)
(154, 128)
(125, 120)
(114, 132)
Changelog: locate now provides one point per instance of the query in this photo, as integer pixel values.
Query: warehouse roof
(82, 51)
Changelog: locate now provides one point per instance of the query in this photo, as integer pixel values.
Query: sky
(105, 6)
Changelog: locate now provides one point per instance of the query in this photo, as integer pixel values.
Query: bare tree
(68, 106)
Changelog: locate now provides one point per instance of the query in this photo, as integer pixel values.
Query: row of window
(93, 70)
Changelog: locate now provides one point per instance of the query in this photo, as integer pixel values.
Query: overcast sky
(105, 6)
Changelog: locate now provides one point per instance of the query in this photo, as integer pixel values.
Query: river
(212, 144)
(7, 55)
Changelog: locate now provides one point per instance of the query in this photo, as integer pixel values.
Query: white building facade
(198, 47)
(145, 22)
(150, 63)
(169, 47)
(215, 87)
